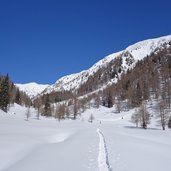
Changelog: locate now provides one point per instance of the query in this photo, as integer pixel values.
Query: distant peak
(32, 89)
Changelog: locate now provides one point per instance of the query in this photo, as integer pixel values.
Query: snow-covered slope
(137, 52)
(32, 89)
(109, 143)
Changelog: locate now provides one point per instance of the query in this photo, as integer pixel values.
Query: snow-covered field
(110, 143)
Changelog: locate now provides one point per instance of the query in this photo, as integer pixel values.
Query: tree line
(10, 94)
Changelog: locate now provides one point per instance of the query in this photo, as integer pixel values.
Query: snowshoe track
(103, 160)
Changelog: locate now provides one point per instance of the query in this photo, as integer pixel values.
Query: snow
(103, 154)
(32, 89)
(109, 143)
(144, 48)
(138, 51)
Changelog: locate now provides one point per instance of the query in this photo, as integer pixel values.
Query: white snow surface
(103, 153)
(138, 51)
(46, 144)
(32, 89)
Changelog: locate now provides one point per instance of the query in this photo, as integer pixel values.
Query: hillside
(125, 79)
(128, 56)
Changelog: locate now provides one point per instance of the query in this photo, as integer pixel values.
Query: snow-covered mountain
(32, 89)
(129, 57)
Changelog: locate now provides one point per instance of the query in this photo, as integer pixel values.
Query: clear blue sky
(43, 40)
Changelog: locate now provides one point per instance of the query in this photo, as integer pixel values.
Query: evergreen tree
(18, 97)
(91, 118)
(4, 94)
(169, 123)
(47, 107)
(109, 100)
(75, 108)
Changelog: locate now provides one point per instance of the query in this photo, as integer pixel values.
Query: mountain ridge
(129, 57)
(138, 51)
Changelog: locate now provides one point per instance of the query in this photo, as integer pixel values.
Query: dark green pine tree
(47, 107)
(109, 100)
(169, 123)
(18, 97)
(4, 94)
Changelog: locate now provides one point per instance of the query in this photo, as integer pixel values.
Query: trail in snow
(103, 160)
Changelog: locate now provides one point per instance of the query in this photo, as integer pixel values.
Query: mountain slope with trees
(107, 70)
(125, 80)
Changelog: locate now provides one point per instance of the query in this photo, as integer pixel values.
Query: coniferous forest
(10, 94)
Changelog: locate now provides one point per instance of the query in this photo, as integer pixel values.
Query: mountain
(109, 68)
(32, 89)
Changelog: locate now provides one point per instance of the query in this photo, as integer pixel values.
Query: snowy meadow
(109, 143)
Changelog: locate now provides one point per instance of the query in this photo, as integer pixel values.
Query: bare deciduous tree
(118, 106)
(97, 101)
(144, 115)
(27, 113)
(141, 116)
(135, 118)
(163, 114)
(38, 108)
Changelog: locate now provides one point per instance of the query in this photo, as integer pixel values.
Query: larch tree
(28, 113)
(163, 114)
(144, 115)
(38, 108)
(135, 118)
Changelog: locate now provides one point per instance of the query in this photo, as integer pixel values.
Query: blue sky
(40, 41)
